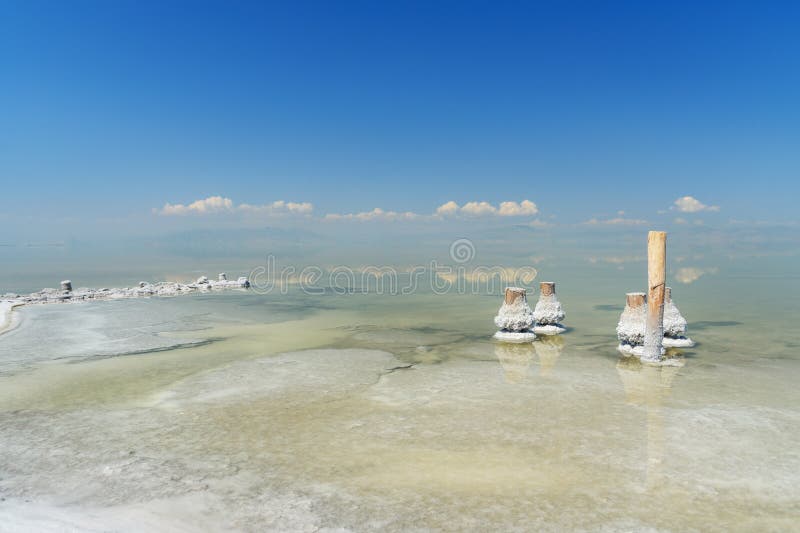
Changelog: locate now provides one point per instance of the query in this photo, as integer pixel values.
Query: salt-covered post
(515, 317)
(548, 312)
(630, 330)
(656, 285)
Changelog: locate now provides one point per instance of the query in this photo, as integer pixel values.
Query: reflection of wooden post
(656, 285)
(513, 294)
(547, 288)
(668, 295)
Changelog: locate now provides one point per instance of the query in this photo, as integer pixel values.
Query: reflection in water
(649, 385)
(548, 348)
(515, 360)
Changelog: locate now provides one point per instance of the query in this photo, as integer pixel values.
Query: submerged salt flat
(362, 413)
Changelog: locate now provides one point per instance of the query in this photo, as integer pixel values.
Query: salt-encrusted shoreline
(8, 318)
(144, 289)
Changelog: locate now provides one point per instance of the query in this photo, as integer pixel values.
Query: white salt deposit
(631, 327)
(674, 323)
(549, 329)
(515, 316)
(233, 436)
(637, 351)
(548, 310)
(630, 330)
(678, 342)
(8, 318)
(515, 336)
(144, 289)
(67, 294)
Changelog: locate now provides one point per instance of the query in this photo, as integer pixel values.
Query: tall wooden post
(656, 287)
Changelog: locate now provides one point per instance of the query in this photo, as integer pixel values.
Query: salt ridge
(144, 290)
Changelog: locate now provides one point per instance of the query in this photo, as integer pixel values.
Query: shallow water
(298, 412)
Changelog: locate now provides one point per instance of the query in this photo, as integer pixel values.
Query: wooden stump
(548, 288)
(635, 300)
(513, 294)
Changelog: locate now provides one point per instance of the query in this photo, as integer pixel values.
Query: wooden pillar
(547, 288)
(513, 294)
(656, 288)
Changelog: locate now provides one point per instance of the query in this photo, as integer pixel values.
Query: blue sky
(110, 110)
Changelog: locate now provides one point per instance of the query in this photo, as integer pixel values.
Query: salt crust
(515, 336)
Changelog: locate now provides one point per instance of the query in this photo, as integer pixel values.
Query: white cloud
(279, 206)
(212, 204)
(375, 214)
(691, 274)
(477, 209)
(514, 209)
(619, 221)
(689, 204)
(219, 204)
(450, 208)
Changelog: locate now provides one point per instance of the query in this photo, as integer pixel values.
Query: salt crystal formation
(630, 329)
(548, 312)
(164, 288)
(674, 325)
(515, 317)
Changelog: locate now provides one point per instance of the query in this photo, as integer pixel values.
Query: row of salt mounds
(144, 289)
(548, 312)
(515, 317)
(674, 325)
